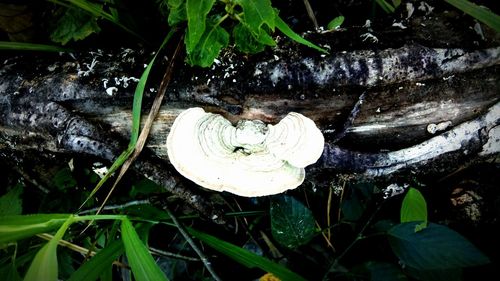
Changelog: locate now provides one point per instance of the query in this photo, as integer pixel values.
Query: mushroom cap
(251, 159)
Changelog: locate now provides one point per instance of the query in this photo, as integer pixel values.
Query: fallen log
(423, 109)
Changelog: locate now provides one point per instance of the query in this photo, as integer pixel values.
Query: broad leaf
(246, 42)
(211, 43)
(292, 223)
(13, 228)
(256, 13)
(335, 23)
(384, 271)
(74, 25)
(102, 261)
(246, 257)
(414, 207)
(436, 247)
(197, 11)
(177, 11)
(11, 203)
(142, 263)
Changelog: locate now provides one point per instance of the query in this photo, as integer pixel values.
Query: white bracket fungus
(251, 159)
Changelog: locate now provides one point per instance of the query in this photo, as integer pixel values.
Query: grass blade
(246, 258)
(481, 14)
(13, 228)
(283, 27)
(93, 269)
(142, 263)
(44, 265)
(21, 46)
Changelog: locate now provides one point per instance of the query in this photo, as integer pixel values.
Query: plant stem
(186, 236)
(358, 237)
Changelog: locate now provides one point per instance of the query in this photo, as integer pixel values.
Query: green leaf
(211, 43)
(436, 247)
(257, 13)
(388, 8)
(21, 46)
(142, 263)
(246, 42)
(335, 23)
(13, 228)
(63, 179)
(44, 265)
(283, 27)
(11, 202)
(292, 223)
(177, 12)
(197, 11)
(414, 207)
(246, 257)
(482, 14)
(74, 25)
(97, 265)
(384, 271)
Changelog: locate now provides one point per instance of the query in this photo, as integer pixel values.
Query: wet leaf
(435, 247)
(74, 25)
(197, 11)
(11, 202)
(292, 223)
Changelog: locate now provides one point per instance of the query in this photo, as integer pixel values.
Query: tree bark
(423, 109)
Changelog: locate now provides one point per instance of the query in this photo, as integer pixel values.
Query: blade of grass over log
(44, 265)
(21, 46)
(245, 257)
(140, 260)
(283, 27)
(136, 121)
(480, 13)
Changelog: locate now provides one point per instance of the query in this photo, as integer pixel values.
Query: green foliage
(63, 179)
(142, 263)
(245, 257)
(44, 265)
(435, 247)
(13, 228)
(482, 14)
(197, 11)
(74, 25)
(210, 44)
(335, 23)
(414, 208)
(98, 264)
(386, 6)
(206, 37)
(384, 271)
(20, 46)
(11, 202)
(292, 223)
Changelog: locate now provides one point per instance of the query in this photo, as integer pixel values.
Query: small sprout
(335, 23)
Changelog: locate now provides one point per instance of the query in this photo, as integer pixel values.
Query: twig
(186, 236)
(310, 13)
(115, 207)
(171, 255)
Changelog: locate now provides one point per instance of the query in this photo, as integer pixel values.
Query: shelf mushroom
(249, 159)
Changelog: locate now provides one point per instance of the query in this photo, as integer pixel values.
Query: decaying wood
(81, 104)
